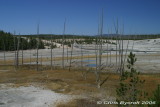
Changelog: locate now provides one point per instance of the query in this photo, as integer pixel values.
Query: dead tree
(67, 52)
(117, 45)
(122, 59)
(4, 52)
(84, 73)
(14, 50)
(107, 41)
(81, 57)
(51, 52)
(96, 54)
(37, 44)
(22, 49)
(70, 64)
(63, 44)
(17, 60)
(101, 66)
(125, 54)
(30, 57)
(100, 52)
(41, 61)
(119, 51)
(110, 48)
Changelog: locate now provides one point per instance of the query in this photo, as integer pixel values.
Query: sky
(82, 16)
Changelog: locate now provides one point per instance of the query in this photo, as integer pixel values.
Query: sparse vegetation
(155, 97)
(129, 83)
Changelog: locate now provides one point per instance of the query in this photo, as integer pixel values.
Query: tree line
(8, 42)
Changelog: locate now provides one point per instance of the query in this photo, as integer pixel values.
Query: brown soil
(72, 82)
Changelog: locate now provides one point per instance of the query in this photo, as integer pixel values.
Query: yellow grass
(71, 82)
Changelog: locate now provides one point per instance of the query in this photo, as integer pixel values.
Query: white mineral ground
(148, 61)
(147, 54)
(30, 96)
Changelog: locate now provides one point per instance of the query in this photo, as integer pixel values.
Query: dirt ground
(72, 83)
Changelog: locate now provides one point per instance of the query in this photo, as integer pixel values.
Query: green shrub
(156, 97)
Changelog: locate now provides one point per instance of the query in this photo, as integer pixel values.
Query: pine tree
(129, 81)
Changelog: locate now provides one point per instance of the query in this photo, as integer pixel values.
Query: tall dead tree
(81, 57)
(119, 51)
(22, 49)
(17, 57)
(122, 59)
(30, 57)
(67, 51)
(107, 41)
(41, 61)
(116, 51)
(70, 64)
(63, 43)
(51, 52)
(96, 53)
(125, 53)
(4, 52)
(100, 52)
(84, 73)
(37, 45)
(122, 52)
(15, 51)
(110, 48)
(117, 43)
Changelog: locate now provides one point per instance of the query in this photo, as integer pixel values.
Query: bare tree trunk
(53, 58)
(51, 52)
(30, 57)
(110, 51)
(22, 51)
(116, 51)
(71, 56)
(37, 44)
(83, 72)
(117, 43)
(17, 61)
(63, 44)
(81, 57)
(125, 54)
(107, 52)
(100, 51)
(121, 66)
(96, 54)
(4, 52)
(41, 61)
(67, 53)
(119, 53)
(14, 52)
(122, 57)
(30, 54)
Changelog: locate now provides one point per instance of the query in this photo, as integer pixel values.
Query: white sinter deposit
(29, 97)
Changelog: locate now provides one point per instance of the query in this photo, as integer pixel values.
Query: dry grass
(71, 82)
(84, 103)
